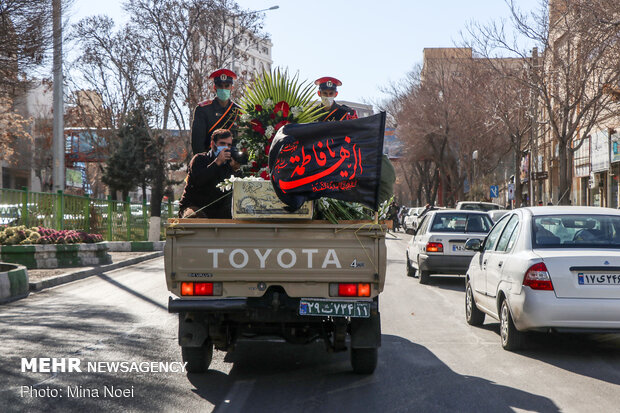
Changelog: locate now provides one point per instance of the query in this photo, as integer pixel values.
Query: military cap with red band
(223, 76)
(327, 83)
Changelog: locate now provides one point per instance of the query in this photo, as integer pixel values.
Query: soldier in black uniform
(333, 111)
(219, 113)
(201, 197)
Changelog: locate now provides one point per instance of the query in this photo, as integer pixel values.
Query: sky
(365, 44)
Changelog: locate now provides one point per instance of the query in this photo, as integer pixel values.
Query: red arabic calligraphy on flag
(333, 159)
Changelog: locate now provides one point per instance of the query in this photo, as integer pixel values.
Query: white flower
(269, 131)
(268, 104)
(245, 117)
(296, 110)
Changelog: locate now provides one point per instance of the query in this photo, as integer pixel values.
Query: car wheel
(198, 359)
(473, 315)
(364, 360)
(410, 270)
(512, 339)
(425, 276)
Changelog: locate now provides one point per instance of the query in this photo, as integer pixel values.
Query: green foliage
(279, 86)
(273, 100)
(127, 166)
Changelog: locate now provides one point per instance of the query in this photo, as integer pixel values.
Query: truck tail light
(537, 277)
(434, 247)
(349, 290)
(200, 288)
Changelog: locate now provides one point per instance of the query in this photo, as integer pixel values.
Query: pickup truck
(301, 281)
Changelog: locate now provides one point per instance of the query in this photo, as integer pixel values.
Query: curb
(40, 256)
(78, 275)
(13, 283)
(134, 246)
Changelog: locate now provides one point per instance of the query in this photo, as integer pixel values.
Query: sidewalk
(41, 279)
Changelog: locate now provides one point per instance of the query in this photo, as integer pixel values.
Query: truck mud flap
(366, 332)
(192, 331)
(224, 305)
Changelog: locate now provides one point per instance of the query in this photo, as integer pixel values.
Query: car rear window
(461, 222)
(479, 207)
(580, 231)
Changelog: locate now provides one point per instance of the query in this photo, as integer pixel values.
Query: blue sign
(494, 191)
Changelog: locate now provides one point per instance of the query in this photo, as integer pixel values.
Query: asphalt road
(430, 361)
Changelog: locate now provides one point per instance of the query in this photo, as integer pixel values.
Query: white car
(477, 206)
(496, 214)
(410, 219)
(438, 246)
(547, 269)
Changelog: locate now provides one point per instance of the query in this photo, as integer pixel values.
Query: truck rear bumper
(214, 304)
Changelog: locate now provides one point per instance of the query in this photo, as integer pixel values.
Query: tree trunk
(517, 172)
(565, 175)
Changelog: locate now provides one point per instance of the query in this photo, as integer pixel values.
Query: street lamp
(234, 17)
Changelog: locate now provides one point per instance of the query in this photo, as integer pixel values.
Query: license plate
(458, 247)
(598, 279)
(317, 307)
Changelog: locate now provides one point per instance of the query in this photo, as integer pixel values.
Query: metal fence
(114, 220)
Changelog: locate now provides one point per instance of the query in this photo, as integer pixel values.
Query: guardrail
(114, 220)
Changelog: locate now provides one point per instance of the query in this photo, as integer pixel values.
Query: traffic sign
(494, 191)
(511, 191)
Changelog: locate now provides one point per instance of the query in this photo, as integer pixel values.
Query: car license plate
(458, 247)
(598, 279)
(318, 307)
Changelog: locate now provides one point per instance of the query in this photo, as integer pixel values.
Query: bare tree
(13, 130)
(440, 114)
(580, 62)
(24, 38)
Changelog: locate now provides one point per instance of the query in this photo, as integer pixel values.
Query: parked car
(10, 215)
(438, 245)
(409, 223)
(547, 269)
(496, 214)
(477, 206)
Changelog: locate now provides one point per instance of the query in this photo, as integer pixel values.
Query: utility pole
(58, 125)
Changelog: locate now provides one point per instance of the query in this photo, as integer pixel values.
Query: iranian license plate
(458, 247)
(598, 279)
(318, 307)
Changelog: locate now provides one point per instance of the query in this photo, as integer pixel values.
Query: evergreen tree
(128, 165)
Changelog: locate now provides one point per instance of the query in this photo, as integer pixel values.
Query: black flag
(340, 160)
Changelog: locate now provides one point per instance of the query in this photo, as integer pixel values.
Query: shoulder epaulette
(205, 103)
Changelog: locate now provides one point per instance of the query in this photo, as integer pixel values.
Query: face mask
(220, 149)
(223, 94)
(327, 102)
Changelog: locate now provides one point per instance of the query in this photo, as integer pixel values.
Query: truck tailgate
(249, 256)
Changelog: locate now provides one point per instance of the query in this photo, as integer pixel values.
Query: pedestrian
(219, 113)
(540, 203)
(549, 203)
(201, 198)
(332, 111)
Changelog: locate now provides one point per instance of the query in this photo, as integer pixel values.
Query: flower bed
(22, 235)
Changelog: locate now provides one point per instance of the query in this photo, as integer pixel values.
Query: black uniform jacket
(337, 113)
(209, 116)
(200, 189)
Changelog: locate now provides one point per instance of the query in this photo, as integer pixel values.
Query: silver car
(547, 269)
(438, 245)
